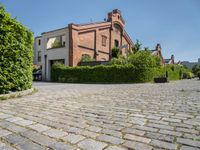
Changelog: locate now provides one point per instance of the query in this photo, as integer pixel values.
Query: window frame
(104, 40)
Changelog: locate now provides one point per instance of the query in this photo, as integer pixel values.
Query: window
(39, 42)
(39, 56)
(56, 42)
(116, 43)
(104, 39)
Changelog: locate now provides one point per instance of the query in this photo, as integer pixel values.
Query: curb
(17, 94)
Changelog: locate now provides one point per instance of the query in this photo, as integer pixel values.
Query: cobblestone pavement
(103, 117)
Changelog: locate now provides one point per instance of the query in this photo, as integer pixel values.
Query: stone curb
(17, 94)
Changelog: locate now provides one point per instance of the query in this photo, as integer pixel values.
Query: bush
(118, 61)
(15, 54)
(101, 74)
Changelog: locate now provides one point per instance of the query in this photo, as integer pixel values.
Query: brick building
(68, 45)
(158, 52)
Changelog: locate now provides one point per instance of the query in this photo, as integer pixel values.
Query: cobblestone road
(103, 117)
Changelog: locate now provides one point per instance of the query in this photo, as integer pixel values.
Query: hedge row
(101, 74)
(15, 54)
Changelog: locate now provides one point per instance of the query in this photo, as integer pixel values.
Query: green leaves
(15, 54)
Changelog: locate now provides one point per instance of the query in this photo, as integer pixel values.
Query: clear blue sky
(175, 24)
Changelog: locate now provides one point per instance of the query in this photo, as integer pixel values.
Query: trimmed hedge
(16, 43)
(101, 74)
(174, 72)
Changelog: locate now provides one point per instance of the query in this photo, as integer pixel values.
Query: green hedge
(15, 54)
(175, 72)
(101, 74)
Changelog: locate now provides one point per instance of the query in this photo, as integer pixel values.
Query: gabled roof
(167, 61)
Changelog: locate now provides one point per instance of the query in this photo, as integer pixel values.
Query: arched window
(116, 43)
(117, 28)
(86, 58)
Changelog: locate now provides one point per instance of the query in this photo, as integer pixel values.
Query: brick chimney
(158, 47)
(116, 16)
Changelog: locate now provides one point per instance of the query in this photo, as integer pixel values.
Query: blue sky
(175, 24)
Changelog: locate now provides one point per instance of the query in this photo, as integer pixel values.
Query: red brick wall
(87, 39)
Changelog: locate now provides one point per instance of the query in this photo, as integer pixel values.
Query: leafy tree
(144, 59)
(198, 74)
(196, 69)
(16, 43)
(137, 46)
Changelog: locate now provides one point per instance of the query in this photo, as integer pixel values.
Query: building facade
(158, 52)
(68, 45)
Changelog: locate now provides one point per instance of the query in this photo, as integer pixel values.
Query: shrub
(115, 52)
(119, 61)
(15, 54)
(101, 74)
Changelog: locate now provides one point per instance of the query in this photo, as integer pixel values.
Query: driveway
(103, 117)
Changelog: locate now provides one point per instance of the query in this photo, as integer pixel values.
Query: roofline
(92, 23)
(38, 37)
(54, 30)
(129, 37)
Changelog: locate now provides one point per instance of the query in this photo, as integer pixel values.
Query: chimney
(158, 47)
(115, 15)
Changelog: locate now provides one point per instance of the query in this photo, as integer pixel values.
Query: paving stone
(39, 138)
(4, 116)
(137, 138)
(160, 126)
(15, 139)
(14, 119)
(4, 132)
(24, 122)
(133, 131)
(137, 146)
(187, 130)
(61, 146)
(164, 145)
(178, 134)
(39, 127)
(171, 120)
(55, 133)
(115, 148)
(145, 128)
(4, 146)
(188, 148)
(110, 139)
(94, 128)
(188, 142)
(89, 134)
(28, 145)
(89, 144)
(73, 138)
(112, 132)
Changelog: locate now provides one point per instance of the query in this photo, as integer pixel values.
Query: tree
(196, 69)
(143, 60)
(16, 43)
(137, 46)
